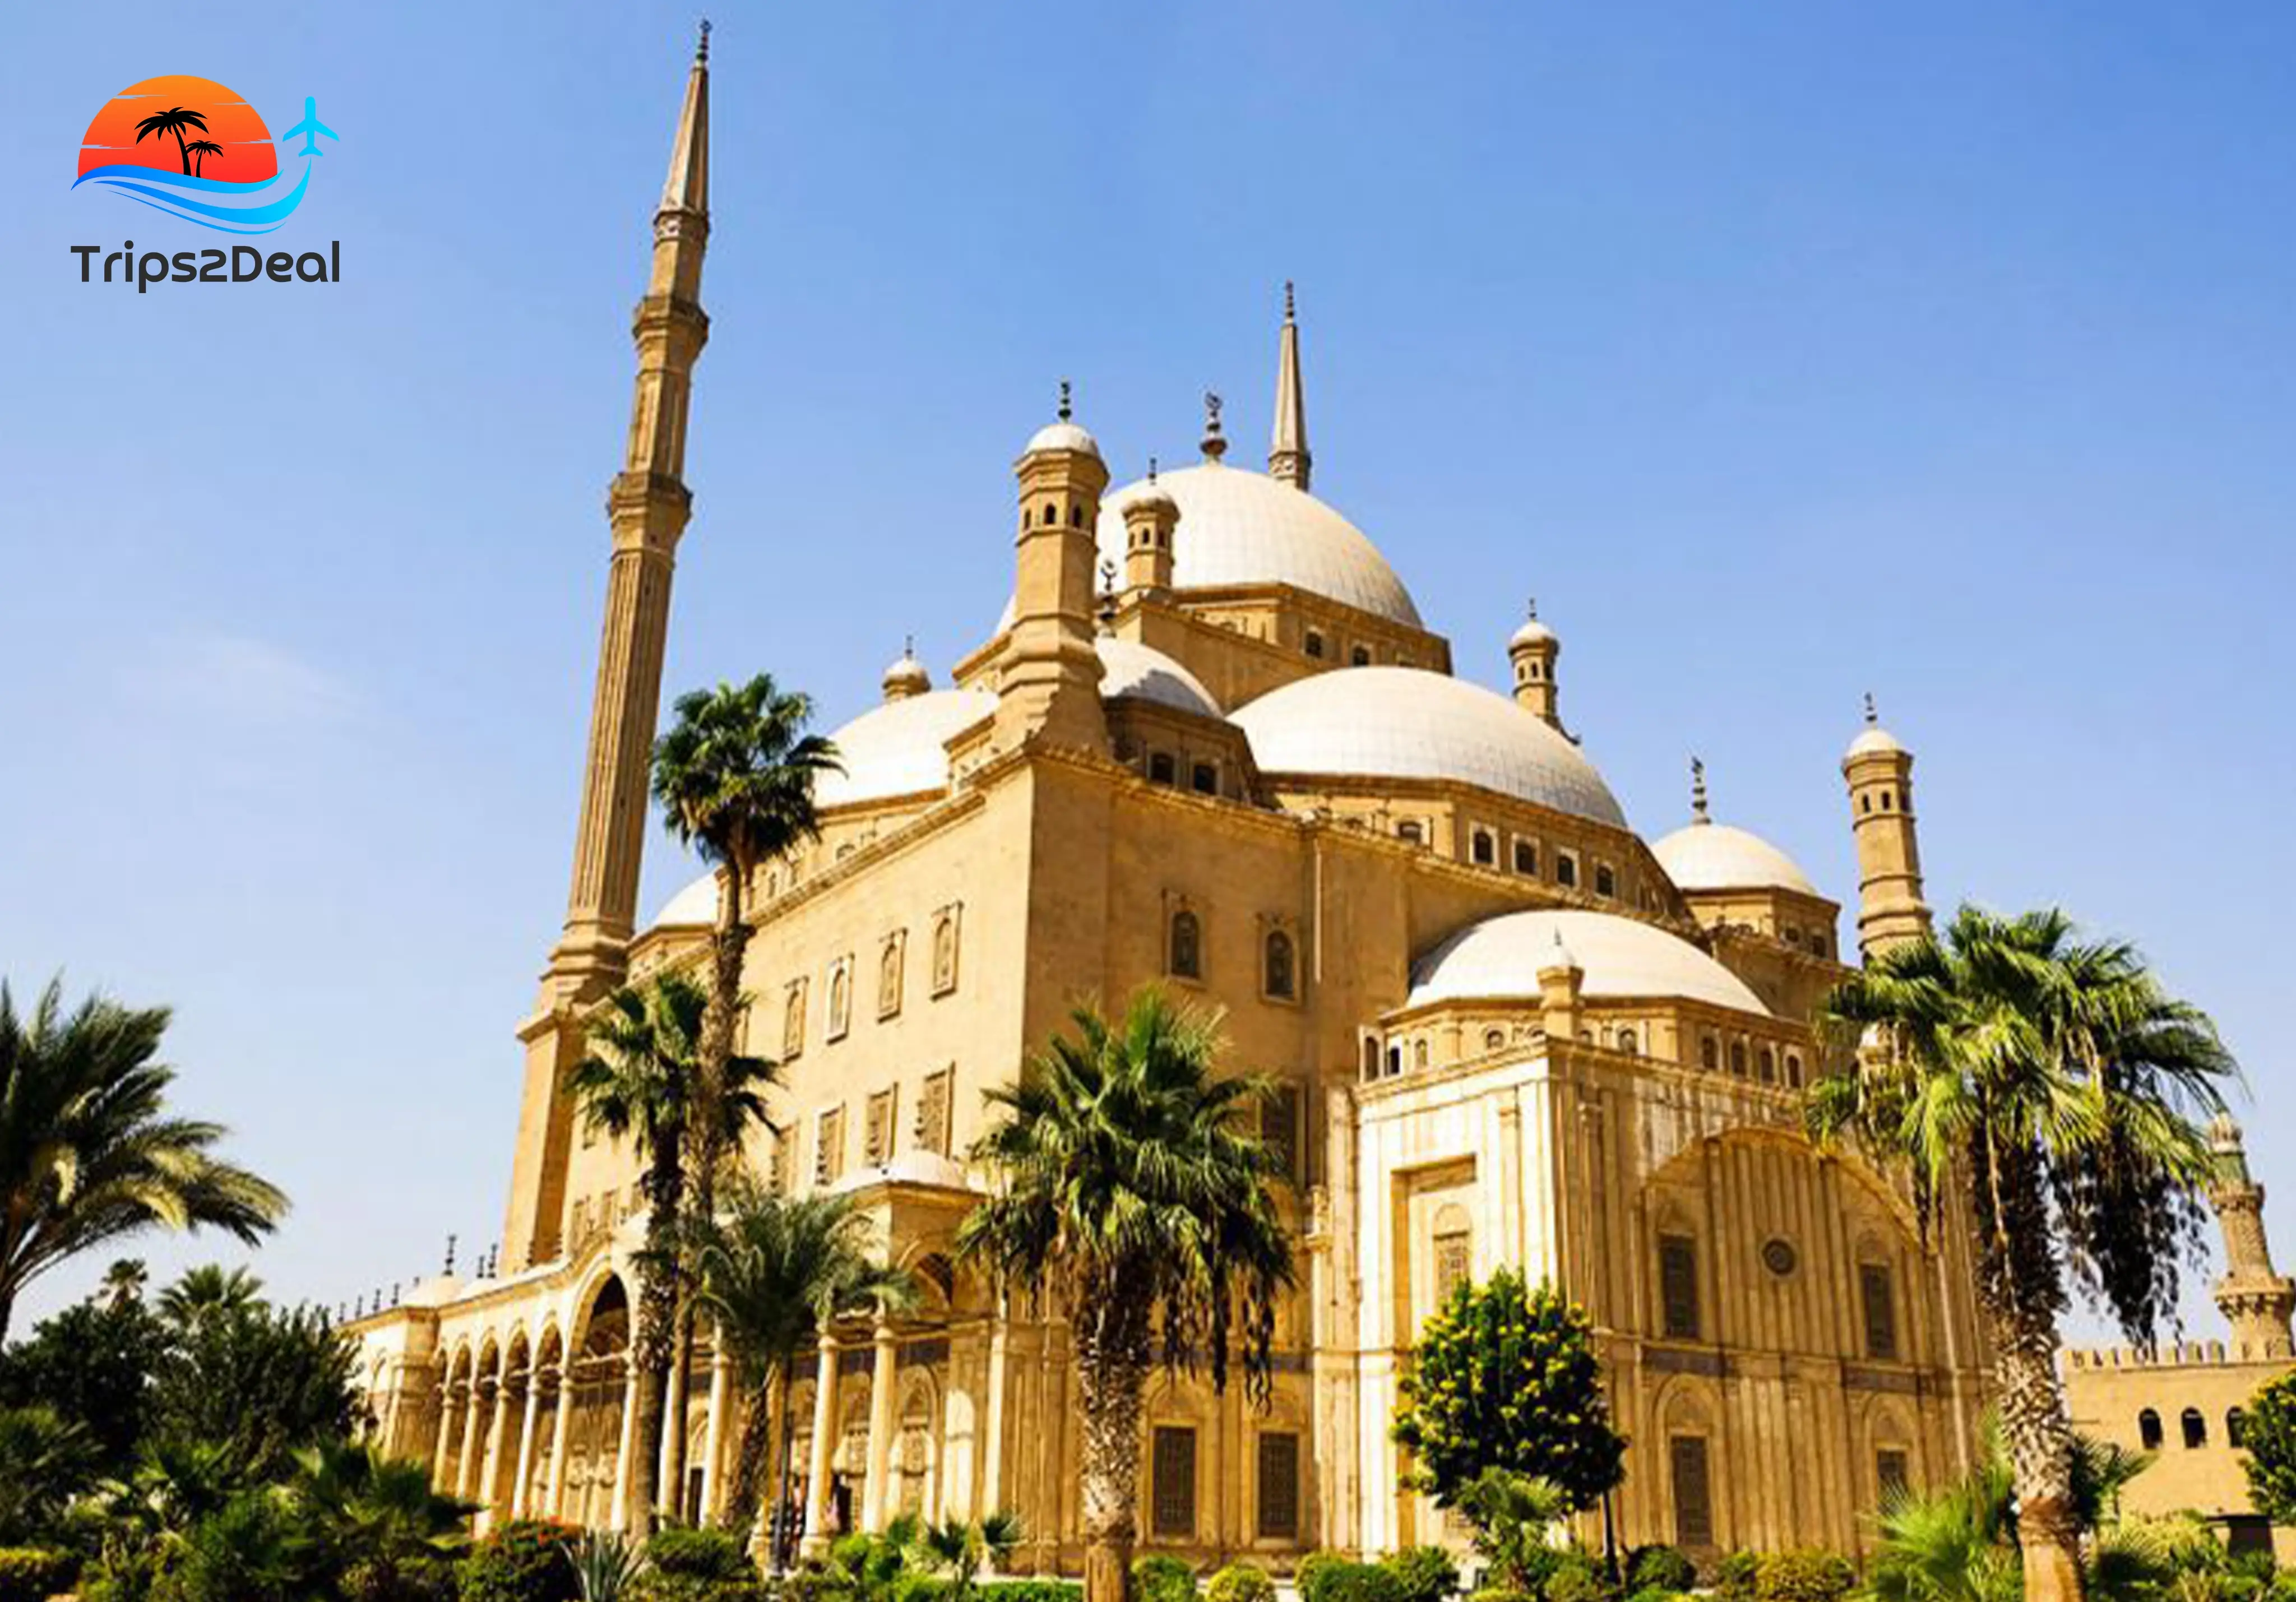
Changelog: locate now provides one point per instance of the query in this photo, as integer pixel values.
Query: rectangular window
(1204, 778)
(1677, 1286)
(829, 1147)
(877, 1135)
(779, 1172)
(932, 1112)
(1875, 1292)
(1693, 1498)
(1455, 1262)
(1889, 1470)
(1279, 1127)
(1279, 1486)
(1172, 1484)
(1161, 767)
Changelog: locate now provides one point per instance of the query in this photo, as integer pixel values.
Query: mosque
(1212, 744)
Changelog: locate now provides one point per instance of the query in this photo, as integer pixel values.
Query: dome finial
(1152, 469)
(1066, 410)
(1214, 443)
(1698, 792)
(1107, 597)
(1872, 715)
(701, 43)
(1290, 311)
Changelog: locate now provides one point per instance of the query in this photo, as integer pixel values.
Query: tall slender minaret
(647, 507)
(1048, 682)
(1879, 772)
(2255, 1299)
(1288, 459)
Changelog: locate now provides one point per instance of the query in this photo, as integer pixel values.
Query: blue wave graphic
(152, 186)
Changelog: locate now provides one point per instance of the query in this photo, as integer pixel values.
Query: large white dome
(1241, 527)
(1500, 957)
(1410, 723)
(1716, 856)
(897, 749)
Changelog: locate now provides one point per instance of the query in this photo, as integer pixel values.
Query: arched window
(2196, 1428)
(1409, 830)
(1793, 1069)
(889, 979)
(1526, 858)
(1710, 1053)
(1566, 870)
(1628, 1043)
(2148, 1430)
(2235, 1428)
(1606, 881)
(1766, 1066)
(841, 999)
(1486, 848)
(1419, 1054)
(1738, 1058)
(1187, 952)
(1494, 1039)
(1161, 769)
(1360, 656)
(1052, 513)
(793, 1022)
(944, 954)
(1279, 979)
(1817, 945)
(1394, 1059)
(1315, 643)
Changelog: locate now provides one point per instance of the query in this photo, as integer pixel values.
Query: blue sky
(1785, 352)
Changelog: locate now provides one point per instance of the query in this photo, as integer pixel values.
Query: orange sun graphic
(193, 112)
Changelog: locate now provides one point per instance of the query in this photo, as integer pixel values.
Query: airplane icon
(310, 129)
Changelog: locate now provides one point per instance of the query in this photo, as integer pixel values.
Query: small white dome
(1144, 673)
(1144, 495)
(1874, 738)
(696, 903)
(1063, 435)
(1241, 527)
(906, 676)
(1410, 723)
(900, 748)
(1716, 856)
(1621, 958)
(1532, 633)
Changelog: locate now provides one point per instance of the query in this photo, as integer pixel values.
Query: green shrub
(1029, 1590)
(1734, 1576)
(34, 1574)
(1162, 1578)
(1239, 1583)
(1812, 1575)
(700, 1554)
(426, 1580)
(1423, 1573)
(1659, 1567)
(526, 1560)
(1340, 1580)
(1574, 1578)
(1498, 1593)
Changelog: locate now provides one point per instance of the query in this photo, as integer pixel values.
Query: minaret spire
(1288, 457)
(647, 506)
(2254, 1298)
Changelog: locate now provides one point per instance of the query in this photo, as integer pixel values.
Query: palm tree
(2048, 1092)
(1137, 1195)
(88, 1150)
(377, 1513)
(957, 1548)
(773, 1274)
(174, 120)
(123, 1284)
(636, 1080)
(202, 149)
(734, 775)
(206, 1292)
(1514, 1515)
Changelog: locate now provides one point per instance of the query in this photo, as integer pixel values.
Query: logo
(200, 152)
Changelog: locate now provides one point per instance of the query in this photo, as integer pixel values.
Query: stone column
(673, 1434)
(554, 1490)
(991, 1445)
(825, 1431)
(626, 1451)
(490, 1460)
(874, 1500)
(466, 1471)
(526, 1442)
(713, 1435)
(446, 1403)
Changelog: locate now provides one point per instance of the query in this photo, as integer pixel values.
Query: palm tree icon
(174, 120)
(202, 149)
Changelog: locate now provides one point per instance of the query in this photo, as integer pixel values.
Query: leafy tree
(45, 1461)
(89, 1150)
(774, 1273)
(636, 1082)
(91, 1365)
(734, 774)
(2046, 1093)
(259, 1383)
(1505, 1377)
(2268, 1434)
(375, 1520)
(1135, 1194)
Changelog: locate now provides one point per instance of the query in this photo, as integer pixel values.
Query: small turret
(1150, 516)
(908, 677)
(1879, 772)
(1533, 650)
(2255, 1300)
(1049, 681)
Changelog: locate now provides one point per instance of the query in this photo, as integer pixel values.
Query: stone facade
(1508, 1030)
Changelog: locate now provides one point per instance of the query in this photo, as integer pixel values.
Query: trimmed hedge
(1659, 1567)
(1327, 1577)
(1029, 1590)
(34, 1574)
(1240, 1582)
(1159, 1577)
(1424, 1574)
(1811, 1574)
(526, 1560)
(1734, 1576)
(700, 1554)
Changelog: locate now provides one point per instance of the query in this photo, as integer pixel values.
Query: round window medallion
(1778, 1257)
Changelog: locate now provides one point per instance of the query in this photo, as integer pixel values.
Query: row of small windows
(929, 1131)
(1359, 655)
(1050, 517)
(1679, 1310)
(1483, 850)
(1764, 1060)
(2193, 1424)
(1688, 1471)
(1888, 799)
(892, 963)
(1279, 955)
(1164, 768)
